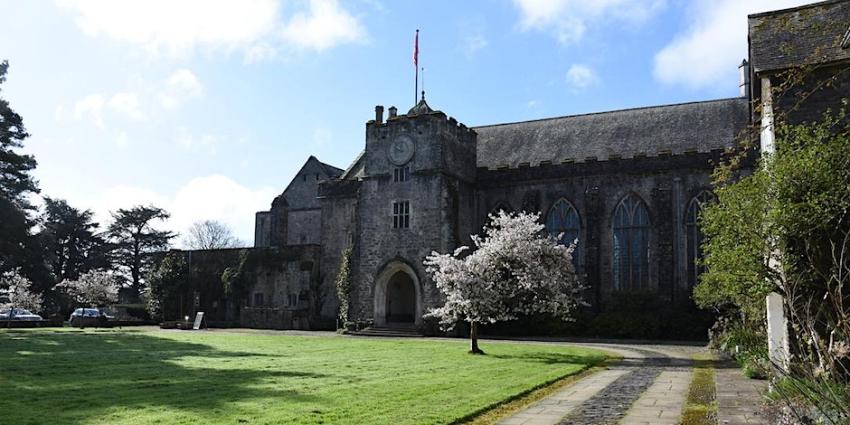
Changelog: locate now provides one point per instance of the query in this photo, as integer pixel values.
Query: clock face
(401, 150)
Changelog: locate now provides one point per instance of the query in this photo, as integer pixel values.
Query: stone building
(627, 185)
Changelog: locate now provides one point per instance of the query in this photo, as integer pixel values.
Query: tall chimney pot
(379, 114)
(744, 80)
(393, 112)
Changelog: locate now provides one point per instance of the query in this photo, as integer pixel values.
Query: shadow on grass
(554, 358)
(74, 377)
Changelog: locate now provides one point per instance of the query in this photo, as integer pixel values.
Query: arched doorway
(401, 299)
(397, 296)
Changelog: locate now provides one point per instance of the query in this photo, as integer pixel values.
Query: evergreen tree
(134, 238)
(70, 240)
(19, 249)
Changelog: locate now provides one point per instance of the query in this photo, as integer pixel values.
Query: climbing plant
(343, 284)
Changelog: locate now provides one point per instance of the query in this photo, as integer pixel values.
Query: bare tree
(211, 234)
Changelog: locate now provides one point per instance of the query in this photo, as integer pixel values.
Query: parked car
(19, 314)
(83, 317)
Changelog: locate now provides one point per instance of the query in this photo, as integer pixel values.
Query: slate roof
(330, 169)
(673, 129)
(810, 34)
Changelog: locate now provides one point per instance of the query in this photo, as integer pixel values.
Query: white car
(19, 314)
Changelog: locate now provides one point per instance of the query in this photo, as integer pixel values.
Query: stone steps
(388, 331)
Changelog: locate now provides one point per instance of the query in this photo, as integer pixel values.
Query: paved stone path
(647, 387)
(738, 398)
(661, 403)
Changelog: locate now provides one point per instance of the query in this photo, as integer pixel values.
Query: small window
(258, 299)
(293, 300)
(401, 215)
(401, 174)
(304, 177)
(317, 176)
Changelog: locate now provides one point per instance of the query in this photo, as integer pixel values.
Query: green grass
(700, 405)
(143, 377)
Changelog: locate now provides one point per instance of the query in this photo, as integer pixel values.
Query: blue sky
(208, 107)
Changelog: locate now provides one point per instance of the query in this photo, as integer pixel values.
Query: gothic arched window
(563, 220)
(694, 235)
(501, 206)
(631, 244)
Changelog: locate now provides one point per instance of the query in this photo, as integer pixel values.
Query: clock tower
(415, 197)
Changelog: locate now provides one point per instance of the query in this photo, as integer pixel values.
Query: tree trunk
(473, 336)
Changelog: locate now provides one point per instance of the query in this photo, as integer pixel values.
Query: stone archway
(401, 299)
(398, 298)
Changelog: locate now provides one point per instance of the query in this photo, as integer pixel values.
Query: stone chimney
(393, 113)
(744, 80)
(379, 114)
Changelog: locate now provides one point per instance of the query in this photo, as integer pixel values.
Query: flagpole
(416, 67)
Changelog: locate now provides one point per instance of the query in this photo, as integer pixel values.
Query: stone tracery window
(563, 220)
(631, 244)
(694, 235)
(501, 206)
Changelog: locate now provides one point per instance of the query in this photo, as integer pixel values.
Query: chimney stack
(744, 80)
(393, 113)
(379, 114)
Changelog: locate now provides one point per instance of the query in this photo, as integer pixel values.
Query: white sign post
(199, 319)
(779, 352)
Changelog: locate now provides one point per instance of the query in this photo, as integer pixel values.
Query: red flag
(416, 50)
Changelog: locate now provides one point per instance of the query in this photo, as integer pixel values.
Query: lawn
(150, 376)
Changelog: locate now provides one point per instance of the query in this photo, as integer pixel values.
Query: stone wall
(304, 227)
(440, 196)
(666, 184)
(339, 220)
(288, 279)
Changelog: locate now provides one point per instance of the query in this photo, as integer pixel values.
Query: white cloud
(568, 20)
(708, 52)
(206, 143)
(214, 197)
(325, 25)
(180, 86)
(581, 77)
(127, 103)
(91, 106)
(101, 108)
(175, 26)
(178, 27)
(473, 43)
(94, 106)
(260, 52)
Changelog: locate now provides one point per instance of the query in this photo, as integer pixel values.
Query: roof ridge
(793, 9)
(638, 108)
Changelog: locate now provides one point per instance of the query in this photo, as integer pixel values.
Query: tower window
(303, 177)
(401, 215)
(401, 174)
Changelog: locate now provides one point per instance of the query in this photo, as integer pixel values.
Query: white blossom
(516, 268)
(20, 293)
(95, 288)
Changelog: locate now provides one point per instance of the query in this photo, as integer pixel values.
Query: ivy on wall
(343, 284)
